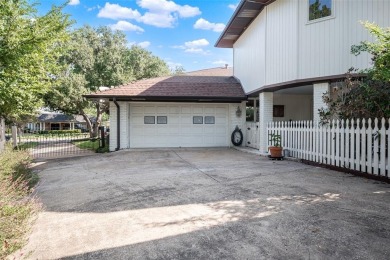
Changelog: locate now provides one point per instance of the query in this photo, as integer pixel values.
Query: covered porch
(281, 104)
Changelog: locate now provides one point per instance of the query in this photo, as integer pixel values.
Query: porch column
(43, 126)
(266, 102)
(319, 90)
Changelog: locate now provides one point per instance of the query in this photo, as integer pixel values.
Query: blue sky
(181, 32)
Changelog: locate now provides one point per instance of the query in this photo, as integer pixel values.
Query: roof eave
(169, 98)
(221, 43)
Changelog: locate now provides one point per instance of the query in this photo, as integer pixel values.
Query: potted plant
(276, 149)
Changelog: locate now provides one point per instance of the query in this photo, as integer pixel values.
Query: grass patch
(87, 144)
(16, 206)
(28, 145)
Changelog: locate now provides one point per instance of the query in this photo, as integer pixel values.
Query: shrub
(60, 132)
(16, 207)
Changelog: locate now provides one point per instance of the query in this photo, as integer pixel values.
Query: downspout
(118, 125)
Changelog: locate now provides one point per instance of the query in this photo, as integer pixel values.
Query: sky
(181, 32)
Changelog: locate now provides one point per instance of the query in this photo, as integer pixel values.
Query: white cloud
(232, 6)
(219, 62)
(179, 47)
(144, 44)
(116, 12)
(74, 2)
(126, 26)
(196, 43)
(93, 8)
(166, 6)
(195, 46)
(164, 20)
(206, 25)
(160, 13)
(195, 50)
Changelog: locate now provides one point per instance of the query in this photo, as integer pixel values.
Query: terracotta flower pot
(275, 152)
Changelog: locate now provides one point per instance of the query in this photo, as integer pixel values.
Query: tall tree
(143, 64)
(30, 46)
(99, 58)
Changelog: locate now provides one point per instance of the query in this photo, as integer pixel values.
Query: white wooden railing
(360, 145)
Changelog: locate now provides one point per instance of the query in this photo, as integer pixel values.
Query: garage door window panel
(149, 120)
(197, 120)
(209, 120)
(162, 120)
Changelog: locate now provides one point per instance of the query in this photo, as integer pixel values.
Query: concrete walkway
(206, 204)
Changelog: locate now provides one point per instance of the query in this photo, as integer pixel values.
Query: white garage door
(178, 125)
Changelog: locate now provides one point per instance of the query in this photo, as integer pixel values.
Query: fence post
(14, 135)
(2, 133)
(102, 143)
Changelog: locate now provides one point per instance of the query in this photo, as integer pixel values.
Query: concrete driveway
(206, 204)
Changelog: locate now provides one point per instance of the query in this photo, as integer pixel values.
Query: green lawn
(87, 144)
(28, 145)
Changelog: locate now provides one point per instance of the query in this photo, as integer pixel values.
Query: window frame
(205, 121)
(325, 18)
(146, 123)
(195, 123)
(163, 123)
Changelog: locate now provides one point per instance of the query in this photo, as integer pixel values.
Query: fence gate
(54, 144)
(252, 134)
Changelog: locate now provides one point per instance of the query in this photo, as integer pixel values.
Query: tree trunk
(89, 123)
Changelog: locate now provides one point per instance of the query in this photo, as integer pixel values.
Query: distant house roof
(244, 15)
(59, 118)
(215, 84)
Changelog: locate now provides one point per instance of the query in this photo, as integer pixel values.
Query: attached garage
(178, 125)
(194, 110)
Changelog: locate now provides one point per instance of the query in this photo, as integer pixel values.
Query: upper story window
(319, 9)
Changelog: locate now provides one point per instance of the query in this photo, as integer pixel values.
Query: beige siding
(296, 107)
(282, 35)
(298, 49)
(325, 46)
(249, 55)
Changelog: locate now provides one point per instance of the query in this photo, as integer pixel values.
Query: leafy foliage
(357, 98)
(30, 46)
(142, 64)
(99, 58)
(380, 51)
(368, 97)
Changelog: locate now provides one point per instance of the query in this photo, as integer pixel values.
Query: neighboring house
(197, 109)
(288, 53)
(57, 121)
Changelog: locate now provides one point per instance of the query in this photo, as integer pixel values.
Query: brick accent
(318, 91)
(266, 100)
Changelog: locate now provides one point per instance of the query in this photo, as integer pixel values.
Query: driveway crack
(194, 166)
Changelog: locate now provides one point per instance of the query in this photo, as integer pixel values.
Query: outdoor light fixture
(238, 111)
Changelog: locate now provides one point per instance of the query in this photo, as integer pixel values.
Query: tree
(369, 96)
(179, 70)
(99, 58)
(143, 64)
(30, 46)
(380, 51)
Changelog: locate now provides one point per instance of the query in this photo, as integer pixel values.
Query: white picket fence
(360, 145)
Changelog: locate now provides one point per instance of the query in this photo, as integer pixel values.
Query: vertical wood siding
(281, 45)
